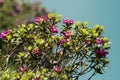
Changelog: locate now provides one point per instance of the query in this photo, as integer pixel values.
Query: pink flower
(101, 53)
(67, 40)
(53, 29)
(98, 41)
(36, 78)
(56, 69)
(45, 18)
(22, 69)
(36, 51)
(88, 42)
(62, 41)
(68, 21)
(66, 33)
(4, 33)
(37, 19)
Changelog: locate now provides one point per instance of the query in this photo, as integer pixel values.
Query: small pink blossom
(4, 33)
(53, 29)
(37, 19)
(36, 78)
(56, 69)
(62, 41)
(101, 53)
(22, 69)
(99, 41)
(36, 51)
(68, 21)
(45, 18)
(66, 33)
(67, 40)
(88, 42)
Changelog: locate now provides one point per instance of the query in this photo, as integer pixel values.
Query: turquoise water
(103, 12)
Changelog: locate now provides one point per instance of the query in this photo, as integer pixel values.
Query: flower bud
(8, 37)
(105, 45)
(30, 26)
(51, 15)
(85, 23)
(105, 39)
(56, 69)
(85, 32)
(77, 23)
(96, 27)
(64, 77)
(106, 60)
(59, 16)
(22, 69)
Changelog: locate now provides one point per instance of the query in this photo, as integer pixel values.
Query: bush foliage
(39, 51)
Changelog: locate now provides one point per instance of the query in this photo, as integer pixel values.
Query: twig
(13, 51)
(83, 72)
(92, 75)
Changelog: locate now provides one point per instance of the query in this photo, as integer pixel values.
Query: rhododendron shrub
(38, 51)
(14, 12)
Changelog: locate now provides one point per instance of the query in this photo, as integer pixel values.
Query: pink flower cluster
(36, 51)
(56, 69)
(63, 40)
(4, 33)
(66, 34)
(36, 78)
(22, 69)
(66, 37)
(88, 42)
(99, 41)
(67, 21)
(101, 53)
(53, 29)
(38, 19)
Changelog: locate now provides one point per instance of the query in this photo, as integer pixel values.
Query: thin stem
(13, 51)
(83, 72)
(92, 75)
